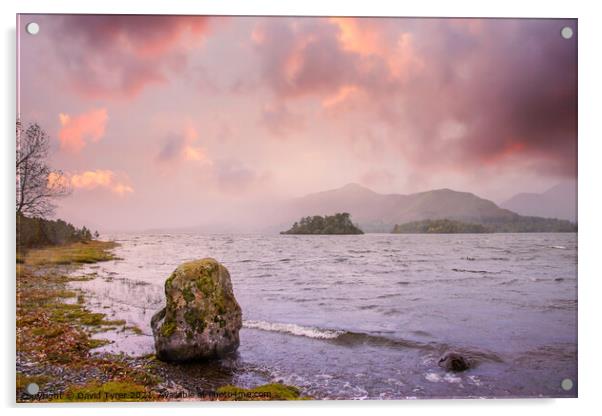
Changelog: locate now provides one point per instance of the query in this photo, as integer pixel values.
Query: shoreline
(58, 332)
(132, 290)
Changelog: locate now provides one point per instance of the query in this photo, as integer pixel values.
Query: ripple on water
(391, 317)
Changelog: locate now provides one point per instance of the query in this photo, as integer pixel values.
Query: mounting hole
(567, 384)
(32, 28)
(32, 389)
(566, 32)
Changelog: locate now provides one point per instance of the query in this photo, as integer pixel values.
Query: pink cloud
(368, 38)
(117, 56)
(320, 56)
(510, 84)
(279, 121)
(183, 147)
(77, 130)
(92, 179)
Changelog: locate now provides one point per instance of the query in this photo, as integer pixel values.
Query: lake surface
(351, 317)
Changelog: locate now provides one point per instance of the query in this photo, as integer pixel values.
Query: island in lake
(339, 223)
(516, 224)
(444, 226)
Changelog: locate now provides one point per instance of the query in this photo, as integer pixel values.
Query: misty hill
(557, 202)
(381, 212)
(376, 212)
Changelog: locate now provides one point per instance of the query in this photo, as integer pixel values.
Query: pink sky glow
(175, 121)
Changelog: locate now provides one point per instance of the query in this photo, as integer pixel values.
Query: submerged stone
(202, 318)
(453, 361)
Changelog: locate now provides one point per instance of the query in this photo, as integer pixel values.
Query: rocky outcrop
(201, 318)
(453, 361)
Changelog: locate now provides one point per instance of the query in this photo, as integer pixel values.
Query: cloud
(77, 130)
(453, 94)
(117, 56)
(89, 180)
(513, 88)
(320, 55)
(377, 177)
(342, 95)
(183, 147)
(370, 38)
(234, 177)
(279, 121)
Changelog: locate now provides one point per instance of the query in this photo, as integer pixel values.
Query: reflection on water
(368, 316)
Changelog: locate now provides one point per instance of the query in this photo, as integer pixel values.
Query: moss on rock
(168, 328)
(201, 318)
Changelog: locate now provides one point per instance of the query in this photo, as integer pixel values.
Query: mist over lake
(368, 316)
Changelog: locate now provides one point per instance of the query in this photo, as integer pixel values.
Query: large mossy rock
(201, 318)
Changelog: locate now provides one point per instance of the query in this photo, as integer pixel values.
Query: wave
(474, 271)
(367, 307)
(293, 329)
(339, 336)
(350, 339)
(389, 295)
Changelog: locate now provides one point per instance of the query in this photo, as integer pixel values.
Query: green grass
(48, 329)
(136, 330)
(95, 343)
(76, 313)
(76, 253)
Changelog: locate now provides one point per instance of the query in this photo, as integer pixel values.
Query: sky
(179, 121)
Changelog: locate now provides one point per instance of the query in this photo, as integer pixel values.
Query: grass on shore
(54, 332)
(76, 253)
(55, 329)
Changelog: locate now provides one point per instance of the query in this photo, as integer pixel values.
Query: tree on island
(339, 223)
(443, 226)
(515, 224)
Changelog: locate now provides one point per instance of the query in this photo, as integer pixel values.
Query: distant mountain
(557, 202)
(376, 212)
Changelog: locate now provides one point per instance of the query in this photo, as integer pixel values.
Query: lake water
(350, 317)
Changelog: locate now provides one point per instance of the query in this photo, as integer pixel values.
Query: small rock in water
(201, 319)
(453, 361)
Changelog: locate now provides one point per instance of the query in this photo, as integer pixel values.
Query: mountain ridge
(376, 212)
(559, 201)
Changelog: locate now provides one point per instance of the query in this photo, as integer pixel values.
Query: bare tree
(37, 184)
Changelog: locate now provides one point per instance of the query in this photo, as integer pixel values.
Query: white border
(590, 207)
